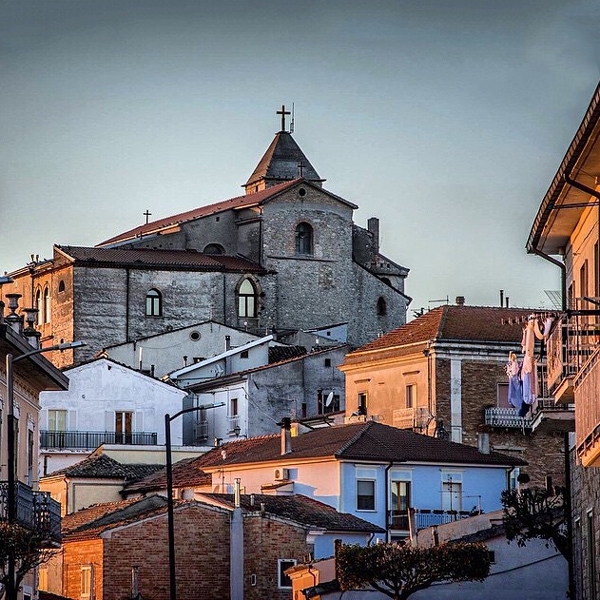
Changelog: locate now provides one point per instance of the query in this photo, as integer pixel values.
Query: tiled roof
(102, 466)
(279, 353)
(237, 203)
(164, 259)
(296, 507)
(356, 441)
(455, 323)
(185, 474)
(91, 521)
(281, 162)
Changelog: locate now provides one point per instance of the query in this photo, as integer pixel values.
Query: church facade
(286, 256)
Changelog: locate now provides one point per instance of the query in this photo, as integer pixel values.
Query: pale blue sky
(447, 120)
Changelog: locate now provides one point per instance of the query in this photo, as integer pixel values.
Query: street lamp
(170, 510)
(11, 591)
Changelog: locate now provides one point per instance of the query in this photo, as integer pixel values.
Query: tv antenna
(292, 120)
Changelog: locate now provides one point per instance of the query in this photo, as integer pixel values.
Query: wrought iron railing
(34, 510)
(92, 439)
(505, 417)
(425, 518)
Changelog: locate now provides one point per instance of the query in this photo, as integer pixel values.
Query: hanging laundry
(515, 385)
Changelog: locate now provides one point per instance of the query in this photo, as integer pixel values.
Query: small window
(304, 239)
(39, 307)
(492, 555)
(411, 396)
(153, 303)
(61, 286)
(247, 299)
(365, 494)
(86, 582)
(502, 396)
(362, 403)
(283, 580)
(327, 362)
(381, 307)
(244, 354)
(233, 407)
(47, 312)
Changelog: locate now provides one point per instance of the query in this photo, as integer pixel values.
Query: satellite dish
(329, 399)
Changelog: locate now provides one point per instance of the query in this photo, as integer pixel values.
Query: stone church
(284, 257)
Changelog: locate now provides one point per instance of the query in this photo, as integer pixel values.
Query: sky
(447, 120)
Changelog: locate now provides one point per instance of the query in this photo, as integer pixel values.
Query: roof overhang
(563, 204)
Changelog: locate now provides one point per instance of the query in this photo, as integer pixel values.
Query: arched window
(247, 299)
(153, 303)
(61, 286)
(47, 311)
(381, 306)
(39, 307)
(214, 249)
(304, 239)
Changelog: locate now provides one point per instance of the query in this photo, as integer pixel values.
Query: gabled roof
(454, 323)
(298, 508)
(185, 474)
(103, 467)
(188, 260)
(368, 441)
(91, 522)
(281, 162)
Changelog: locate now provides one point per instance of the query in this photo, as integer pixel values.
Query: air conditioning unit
(281, 474)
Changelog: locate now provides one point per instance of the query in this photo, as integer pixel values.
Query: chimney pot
(460, 300)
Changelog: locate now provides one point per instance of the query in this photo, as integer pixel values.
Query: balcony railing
(34, 510)
(425, 518)
(506, 417)
(412, 418)
(587, 412)
(569, 346)
(89, 440)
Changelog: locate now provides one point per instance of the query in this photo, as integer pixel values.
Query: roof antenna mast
(292, 121)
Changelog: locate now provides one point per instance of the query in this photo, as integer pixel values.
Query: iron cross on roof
(283, 113)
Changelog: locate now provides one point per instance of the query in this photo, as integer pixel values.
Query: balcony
(569, 346)
(506, 418)
(417, 418)
(553, 417)
(35, 510)
(89, 440)
(587, 411)
(398, 520)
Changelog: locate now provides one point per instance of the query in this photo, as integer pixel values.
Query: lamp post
(11, 588)
(170, 509)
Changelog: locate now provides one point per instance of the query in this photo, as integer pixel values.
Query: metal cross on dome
(283, 113)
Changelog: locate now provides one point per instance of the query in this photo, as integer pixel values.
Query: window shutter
(139, 421)
(109, 420)
(72, 420)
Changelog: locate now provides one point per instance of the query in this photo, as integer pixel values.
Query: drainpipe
(127, 277)
(563, 275)
(387, 502)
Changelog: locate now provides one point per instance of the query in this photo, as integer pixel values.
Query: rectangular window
(123, 427)
(233, 407)
(244, 354)
(283, 580)
(502, 396)
(365, 494)
(362, 403)
(57, 420)
(411, 396)
(452, 491)
(492, 555)
(30, 456)
(86, 582)
(583, 281)
(400, 499)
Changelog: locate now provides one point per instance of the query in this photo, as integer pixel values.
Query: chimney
(460, 300)
(286, 435)
(483, 443)
(373, 227)
(501, 298)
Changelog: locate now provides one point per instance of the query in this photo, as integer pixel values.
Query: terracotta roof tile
(239, 202)
(166, 259)
(185, 474)
(299, 508)
(102, 466)
(356, 441)
(457, 323)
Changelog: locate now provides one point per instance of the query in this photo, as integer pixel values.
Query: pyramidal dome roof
(283, 161)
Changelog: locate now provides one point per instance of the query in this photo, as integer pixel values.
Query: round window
(195, 336)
